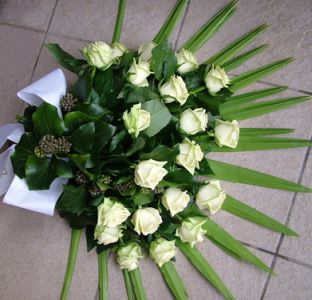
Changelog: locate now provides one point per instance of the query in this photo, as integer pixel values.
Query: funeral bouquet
(124, 152)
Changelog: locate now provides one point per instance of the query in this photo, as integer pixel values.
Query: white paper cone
(12, 132)
(6, 170)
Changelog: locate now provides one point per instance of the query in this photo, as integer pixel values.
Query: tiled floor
(33, 247)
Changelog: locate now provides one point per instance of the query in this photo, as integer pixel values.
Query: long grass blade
(232, 173)
(247, 111)
(255, 143)
(128, 284)
(264, 131)
(210, 28)
(254, 75)
(237, 61)
(119, 20)
(229, 51)
(248, 213)
(173, 280)
(228, 241)
(171, 21)
(137, 284)
(103, 275)
(201, 264)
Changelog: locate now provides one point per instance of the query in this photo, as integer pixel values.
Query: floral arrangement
(124, 150)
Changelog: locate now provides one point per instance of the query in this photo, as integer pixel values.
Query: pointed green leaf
(137, 284)
(246, 212)
(119, 20)
(232, 173)
(128, 284)
(173, 280)
(254, 143)
(229, 51)
(254, 75)
(103, 275)
(201, 264)
(247, 111)
(84, 133)
(240, 59)
(264, 131)
(210, 28)
(171, 21)
(224, 238)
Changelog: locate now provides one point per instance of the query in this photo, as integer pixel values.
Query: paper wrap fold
(50, 89)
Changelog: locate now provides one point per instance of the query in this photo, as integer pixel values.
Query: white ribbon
(50, 89)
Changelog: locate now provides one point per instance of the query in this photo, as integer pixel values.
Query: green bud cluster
(95, 191)
(104, 179)
(50, 144)
(68, 102)
(81, 178)
(124, 187)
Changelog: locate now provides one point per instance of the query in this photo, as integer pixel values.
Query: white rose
(146, 220)
(187, 61)
(145, 51)
(161, 251)
(190, 155)
(118, 50)
(148, 173)
(193, 121)
(107, 235)
(174, 90)
(210, 196)
(191, 230)
(175, 200)
(226, 133)
(128, 256)
(138, 73)
(99, 55)
(111, 213)
(216, 79)
(136, 120)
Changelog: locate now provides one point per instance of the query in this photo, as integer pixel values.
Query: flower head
(107, 235)
(146, 220)
(187, 61)
(193, 121)
(138, 73)
(226, 133)
(99, 55)
(175, 200)
(161, 251)
(216, 79)
(145, 51)
(128, 256)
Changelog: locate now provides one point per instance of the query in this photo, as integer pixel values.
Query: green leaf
(103, 83)
(128, 284)
(210, 28)
(92, 109)
(75, 119)
(141, 94)
(103, 275)
(232, 173)
(264, 131)
(117, 140)
(248, 213)
(222, 237)
(241, 59)
(254, 143)
(73, 200)
(91, 242)
(233, 101)
(38, 173)
(47, 121)
(162, 153)
(83, 86)
(254, 75)
(243, 112)
(173, 280)
(201, 264)
(137, 145)
(23, 149)
(137, 284)
(65, 59)
(83, 138)
(179, 177)
(171, 21)
(164, 61)
(240, 43)
(142, 199)
(160, 116)
(61, 168)
(119, 20)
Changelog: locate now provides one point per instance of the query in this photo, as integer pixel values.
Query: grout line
(276, 255)
(23, 27)
(69, 37)
(284, 257)
(43, 42)
(181, 26)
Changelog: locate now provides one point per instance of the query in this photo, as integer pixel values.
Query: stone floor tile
(18, 56)
(95, 20)
(34, 14)
(289, 34)
(300, 220)
(293, 282)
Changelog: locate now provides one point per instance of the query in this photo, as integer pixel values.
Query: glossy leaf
(264, 131)
(161, 153)
(83, 138)
(83, 86)
(61, 168)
